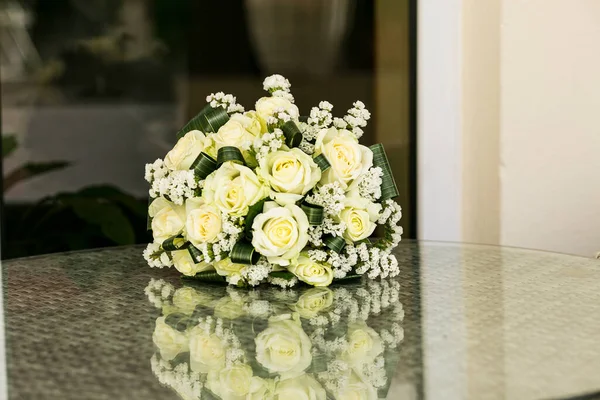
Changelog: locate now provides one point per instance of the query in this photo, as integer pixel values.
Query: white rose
(280, 233)
(236, 382)
(183, 262)
(229, 308)
(284, 347)
(313, 301)
(266, 107)
(291, 173)
(233, 188)
(203, 221)
(303, 387)
(356, 388)
(185, 152)
(229, 269)
(207, 351)
(186, 299)
(364, 344)
(169, 341)
(313, 273)
(167, 219)
(240, 131)
(349, 160)
(360, 217)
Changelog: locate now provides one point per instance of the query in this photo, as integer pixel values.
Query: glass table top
(460, 322)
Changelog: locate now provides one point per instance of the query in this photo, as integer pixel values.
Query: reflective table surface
(460, 322)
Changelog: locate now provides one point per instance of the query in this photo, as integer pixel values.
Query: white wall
(550, 125)
(526, 120)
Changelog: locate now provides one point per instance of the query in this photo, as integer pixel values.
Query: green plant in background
(95, 216)
(26, 171)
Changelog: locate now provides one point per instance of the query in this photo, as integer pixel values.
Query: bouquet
(247, 197)
(318, 343)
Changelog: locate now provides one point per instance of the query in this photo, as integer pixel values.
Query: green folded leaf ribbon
(313, 212)
(292, 134)
(388, 185)
(253, 211)
(229, 153)
(244, 253)
(178, 321)
(322, 162)
(348, 277)
(288, 276)
(335, 243)
(173, 243)
(195, 253)
(208, 120)
(203, 166)
(206, 276)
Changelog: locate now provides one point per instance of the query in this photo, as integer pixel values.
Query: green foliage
(97, 216)
(9, 144)
(29, 170)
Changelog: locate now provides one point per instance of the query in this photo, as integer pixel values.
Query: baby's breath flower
(227, 101)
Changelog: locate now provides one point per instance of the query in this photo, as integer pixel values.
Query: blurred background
(91, 90)
(487, 109)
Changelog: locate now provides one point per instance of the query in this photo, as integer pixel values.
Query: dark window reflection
(91, 90)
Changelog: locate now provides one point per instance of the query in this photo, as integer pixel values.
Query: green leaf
(244, 253)
(203, 166)
(335, 243)
(253, 211)
(288, 276)
(292, 134)
(114, 194)
(206, 276)
(109, 217)
(43, 167)
(230, 153)
(208, 120)
(313, 212)
(178, 321)
(349, 277)
(30, 170)
(9, 144)
(208, 395)
(195, 253)
(173, 243)
(322, 162)
(388, 184)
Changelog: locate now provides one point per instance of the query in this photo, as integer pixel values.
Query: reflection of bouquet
(259, 196)
(318, 343)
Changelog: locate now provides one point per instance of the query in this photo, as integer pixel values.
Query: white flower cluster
(176, 185)
(390, 216)
(156, 257)
(355, 120)
(369, 185)
(268, 143)
(283, 283)
(227, 101)
(229, 340)
(231, 231)
(320, 118)
(159, 292)
(330, 196)
(255, 274)
(278, 86)
(156, 170)
(180, 378)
